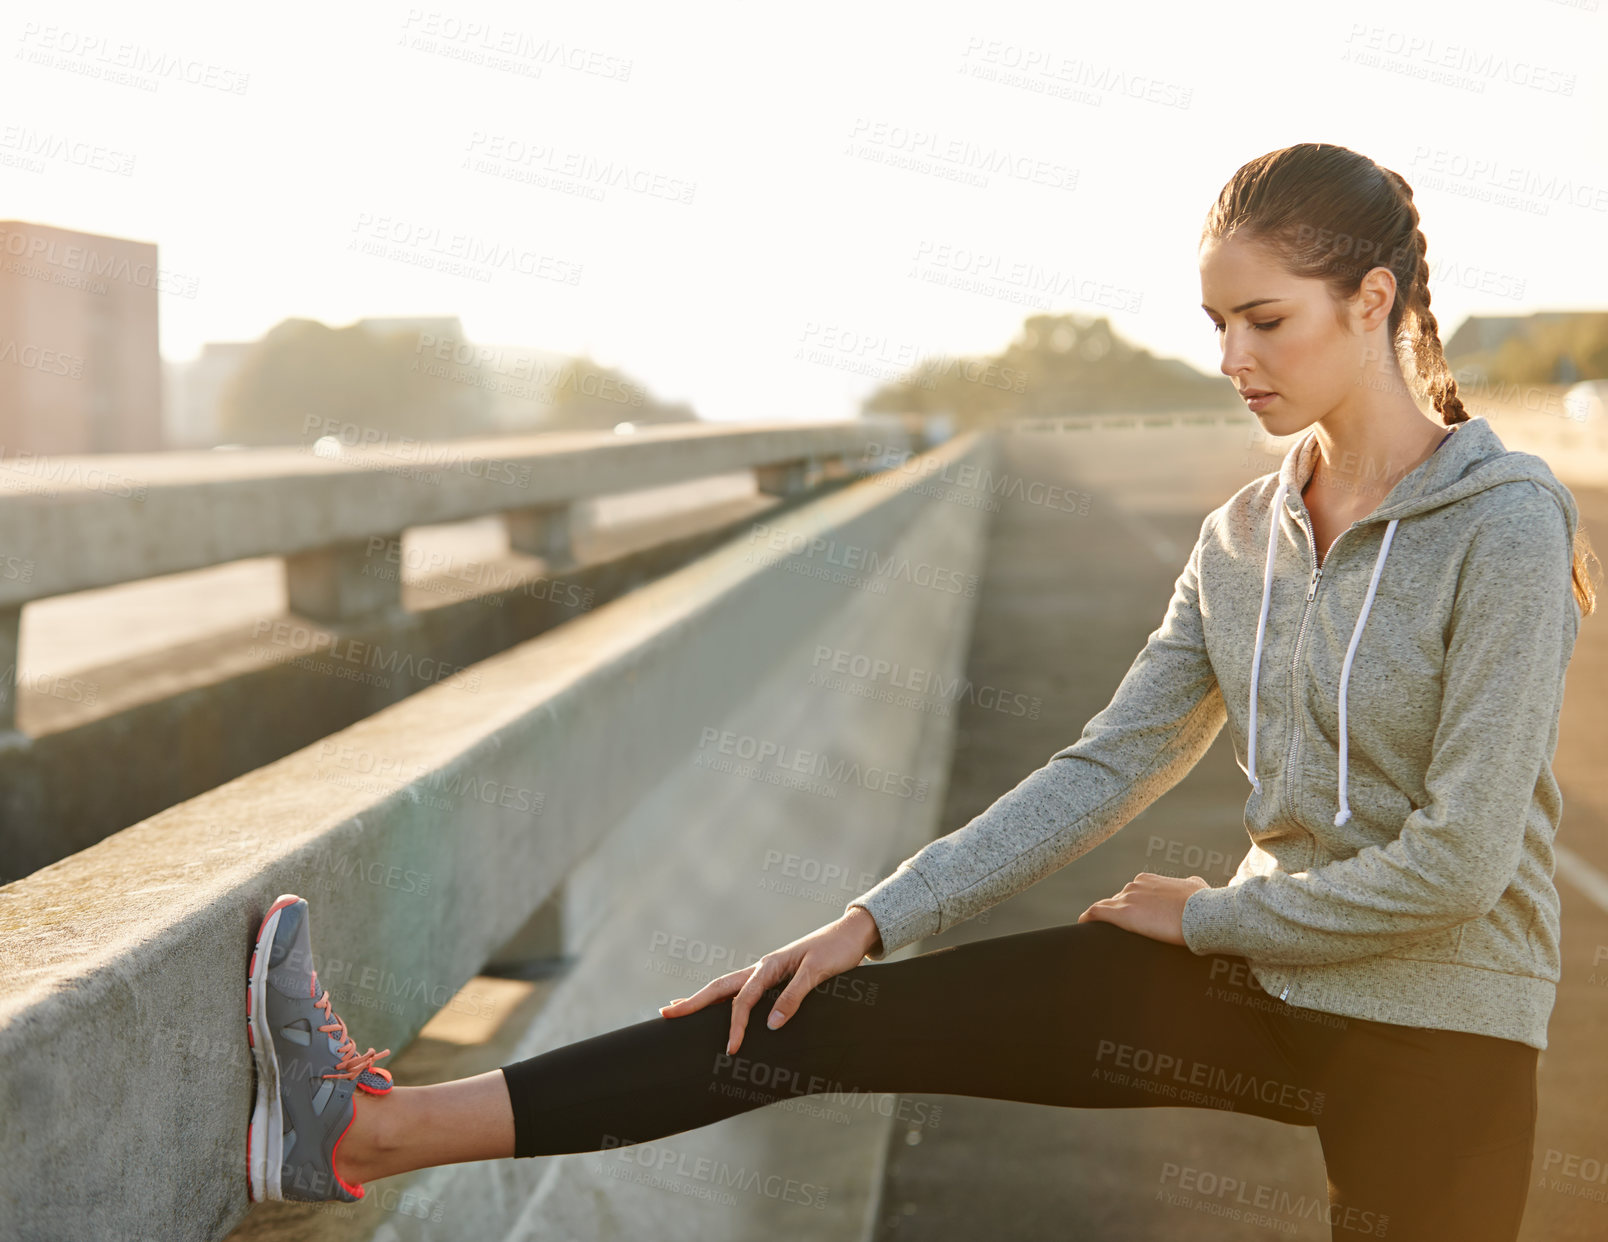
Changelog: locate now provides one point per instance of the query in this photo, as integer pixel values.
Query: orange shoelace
(352, 1062)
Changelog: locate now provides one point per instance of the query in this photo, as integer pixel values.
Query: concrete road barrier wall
(431, 831)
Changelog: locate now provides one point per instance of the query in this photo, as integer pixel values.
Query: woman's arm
(1162, 719)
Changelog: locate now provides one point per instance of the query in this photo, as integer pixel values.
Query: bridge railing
(74, 523)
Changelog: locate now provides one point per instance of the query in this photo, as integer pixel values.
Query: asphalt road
(1067, 601)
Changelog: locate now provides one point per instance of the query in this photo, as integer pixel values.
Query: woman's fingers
(790, 999)
(715, 989)
(766, 972)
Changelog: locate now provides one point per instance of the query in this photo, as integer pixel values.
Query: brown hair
(1331, 214)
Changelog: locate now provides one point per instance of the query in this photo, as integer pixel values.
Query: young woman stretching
(1383, 625)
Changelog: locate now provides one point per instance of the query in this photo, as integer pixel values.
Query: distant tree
(305, 379)
(1057, 365)
(587, 396)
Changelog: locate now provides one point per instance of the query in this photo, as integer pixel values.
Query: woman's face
(1279, 333)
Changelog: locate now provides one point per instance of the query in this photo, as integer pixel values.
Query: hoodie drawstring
(1261, 625)
(1345, 672)
(1345, 669)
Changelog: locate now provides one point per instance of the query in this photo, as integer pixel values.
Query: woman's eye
(1266, 326)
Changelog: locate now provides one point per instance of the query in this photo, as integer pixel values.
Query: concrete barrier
(151, 731)
(431, 831)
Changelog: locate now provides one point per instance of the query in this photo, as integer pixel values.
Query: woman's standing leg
(1429, 1133)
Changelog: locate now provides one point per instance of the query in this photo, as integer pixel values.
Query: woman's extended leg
(1426, 1133)
(1083, 1015)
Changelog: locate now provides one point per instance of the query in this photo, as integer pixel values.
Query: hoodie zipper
(1295, 669)
(1297, 735)
(1295, 701)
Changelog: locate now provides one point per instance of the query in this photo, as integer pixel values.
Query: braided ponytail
(1331, 214)
(1429, 359)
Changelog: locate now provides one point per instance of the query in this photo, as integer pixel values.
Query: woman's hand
(810, 961)
(1152, 905)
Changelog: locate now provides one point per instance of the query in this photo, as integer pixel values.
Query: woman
(1384, 625)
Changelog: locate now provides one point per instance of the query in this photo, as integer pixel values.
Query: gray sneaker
(308, 1068)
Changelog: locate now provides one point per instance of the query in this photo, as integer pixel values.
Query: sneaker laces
(352, 1062)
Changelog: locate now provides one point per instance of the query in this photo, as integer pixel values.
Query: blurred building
(1564, 346)
(193, 393)
(79, 366)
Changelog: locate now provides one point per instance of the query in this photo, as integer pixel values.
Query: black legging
(1426, 1134)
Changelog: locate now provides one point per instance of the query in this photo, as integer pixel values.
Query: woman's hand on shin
(806, 963)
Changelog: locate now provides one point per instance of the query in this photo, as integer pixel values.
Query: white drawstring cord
(1345, 670)
(1261, 626)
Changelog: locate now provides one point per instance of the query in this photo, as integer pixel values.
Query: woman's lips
(1258, 400)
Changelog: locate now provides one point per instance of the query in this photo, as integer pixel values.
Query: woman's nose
(1236, 357)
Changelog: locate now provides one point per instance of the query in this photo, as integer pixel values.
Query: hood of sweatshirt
(1468, 461)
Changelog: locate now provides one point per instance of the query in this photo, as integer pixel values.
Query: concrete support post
(545, 531)
(789, 478)
(347, 580)
(10, 628)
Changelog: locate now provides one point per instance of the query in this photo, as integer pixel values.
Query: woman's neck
(1367, 450)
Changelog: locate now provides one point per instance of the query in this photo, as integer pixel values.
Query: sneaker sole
(265, 1140)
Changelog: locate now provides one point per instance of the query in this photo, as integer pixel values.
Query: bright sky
(763, 247)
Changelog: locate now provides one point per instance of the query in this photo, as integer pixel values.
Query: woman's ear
(1374, 297)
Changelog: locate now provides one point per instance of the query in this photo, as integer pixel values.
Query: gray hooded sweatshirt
(1395, 712)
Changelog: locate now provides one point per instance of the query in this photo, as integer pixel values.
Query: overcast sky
(763, 211)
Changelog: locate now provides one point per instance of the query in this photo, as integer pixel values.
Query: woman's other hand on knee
(805, 963)
(1151, 905)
